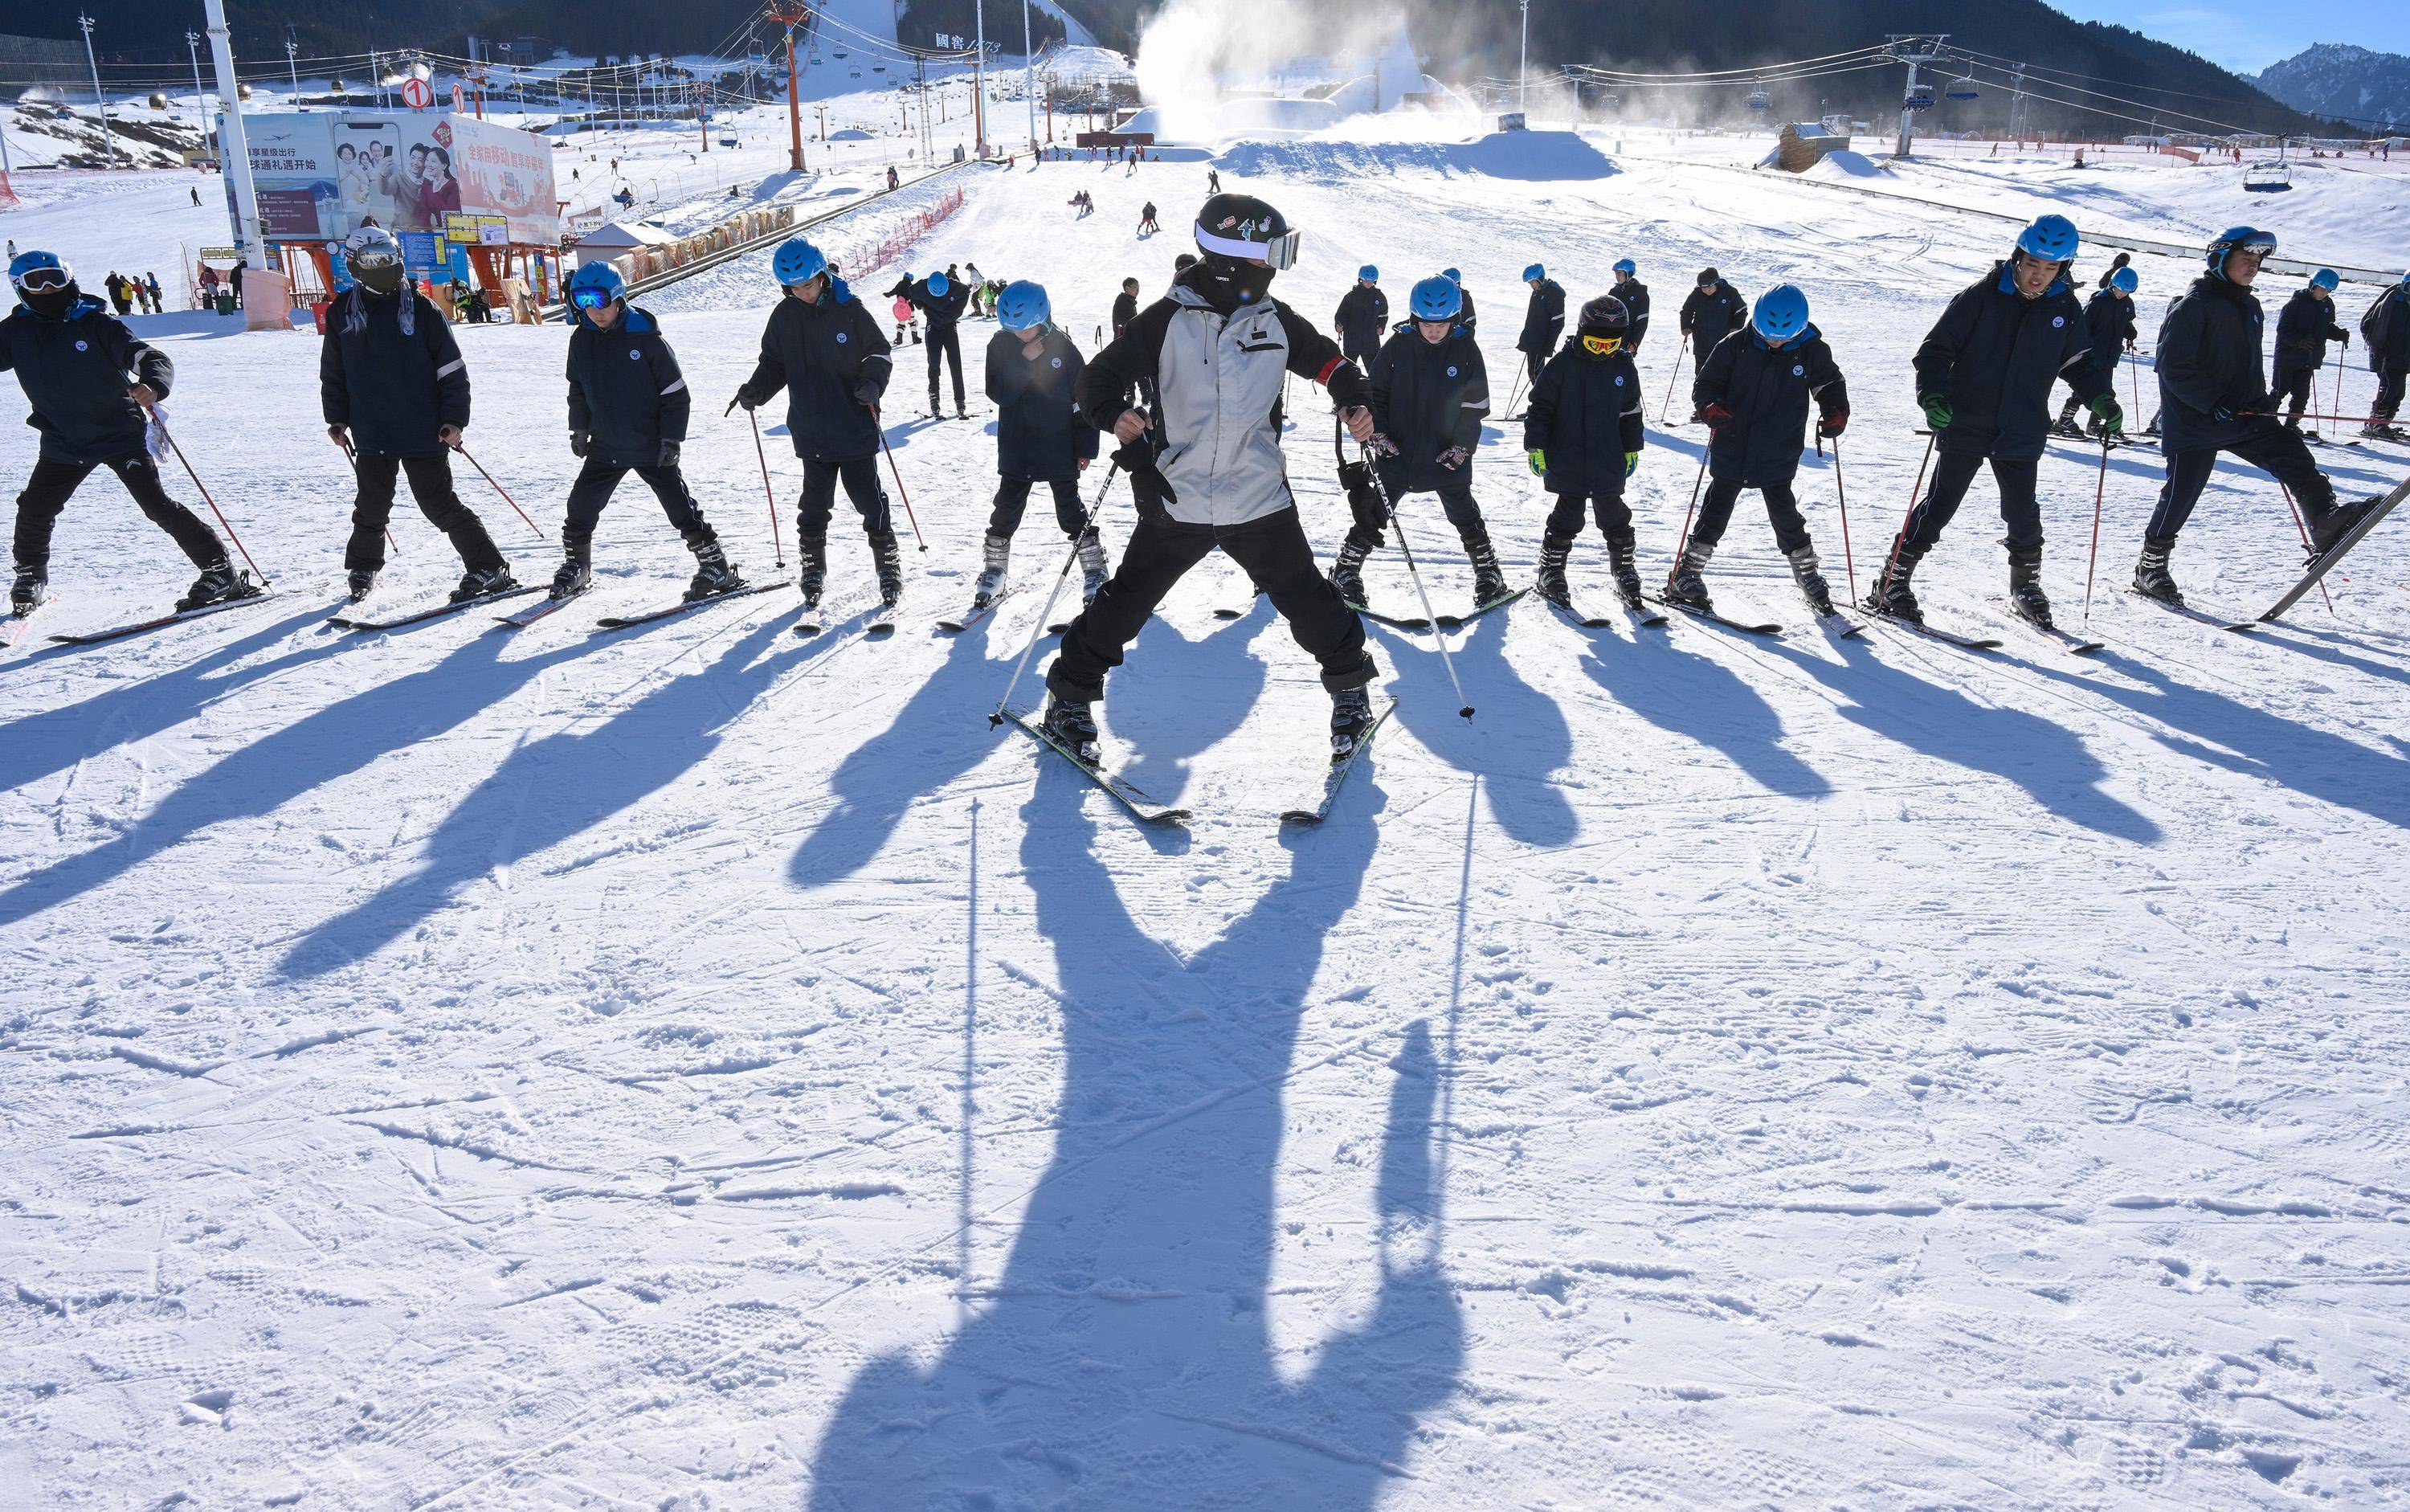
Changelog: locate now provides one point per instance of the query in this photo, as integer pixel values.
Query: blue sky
(2246, 37)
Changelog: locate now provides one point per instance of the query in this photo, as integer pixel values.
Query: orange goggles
(1602, 345)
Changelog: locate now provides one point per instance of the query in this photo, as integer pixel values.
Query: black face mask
(385, 280)
(50, 304)
(1231, 283)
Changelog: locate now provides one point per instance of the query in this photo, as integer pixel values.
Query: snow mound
(1847, 164)
(1513, 154)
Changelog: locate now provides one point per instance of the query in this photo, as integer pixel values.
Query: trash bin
(225, 302)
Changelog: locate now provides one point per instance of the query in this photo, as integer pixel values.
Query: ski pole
(2338, 398)
(2098, 493)
(499, 489)
(767, 497)
(2135, 373)
(1665, 410)
(1684, 544)
(170, 439)
(353, 458)
(1087, 523)
(2277, 414)
(1464, 706)
(1931, 437)
(2306, 542)
(1841, 493)
(900, 491)
(1516, 392)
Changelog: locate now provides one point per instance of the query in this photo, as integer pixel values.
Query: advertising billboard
(323, 175)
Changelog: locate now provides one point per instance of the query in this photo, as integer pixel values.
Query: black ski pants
(1953, 472)
(2292, 388)
(1012, 498)
(2267, 445)
(861, 476)
(1455, 497)
(1273, 552)
(1613, 516)
(594, 488)
(1781, 507)
(945, 342)
(52, 483)
(431, 484)
(2388, 393)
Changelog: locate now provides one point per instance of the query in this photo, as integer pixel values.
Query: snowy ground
(701, 1068)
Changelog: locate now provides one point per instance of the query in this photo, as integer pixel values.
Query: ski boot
(1347, 572)
(2336, 523)
(712, 574)
(219, 583)
(2066, 426)
(811, 575)
(1684, 585)
(936, 411)
(1809, 573)
(1092, 567)
(995, 561)
(477, 583)
(26, 594)
(888, 556)
(2024, 587)
(2152, 578)
(1489, 579)
(1072, 726)
(359, 584)
(1625, 572)
(1551, 584)
(1892, 595)
(961, 414)
(574, 577)
(1350, 720)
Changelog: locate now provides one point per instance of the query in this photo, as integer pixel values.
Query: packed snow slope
(700, 1067)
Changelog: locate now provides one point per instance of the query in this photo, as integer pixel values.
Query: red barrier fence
(900, 239)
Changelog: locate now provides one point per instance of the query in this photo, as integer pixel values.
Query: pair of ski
(1416, 622)
(522, 619)
(2058, 635)
(2318, 568)
(17, 625)
(1147, 810)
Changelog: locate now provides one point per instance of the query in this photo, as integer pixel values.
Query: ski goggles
(1279, 253)
(589, 298)
(43, 280)
(1602, 345)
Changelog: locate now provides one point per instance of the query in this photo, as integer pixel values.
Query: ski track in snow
(698, 1066)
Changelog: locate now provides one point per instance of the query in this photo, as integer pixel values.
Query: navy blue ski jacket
(1040, 432)
(1543, 321)
(2110, 319)
(2209, 357)
(1362, 319)
(2303, 328)
(75, 371)
(1428, 397)
(395, 388)
(1708, 318)
(625, 389)
(1635, 296)
(1994, 354)
(940, 310)
(1766, 388)
(830, 357)
(1585, 414)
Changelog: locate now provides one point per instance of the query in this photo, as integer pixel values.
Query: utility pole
(788, 13)
(1523, 74)
(2017, 107)
(1029, 74)
(234, 145)
(979, 82)
(1921, 49)
(200, 106)
(292, 63)
(106, 141)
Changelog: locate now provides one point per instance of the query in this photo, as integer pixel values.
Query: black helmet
(1604, 325)
(1243, 228)
(1708, 276)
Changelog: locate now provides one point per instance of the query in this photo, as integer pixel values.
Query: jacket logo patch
(634, 356)
(840, 338)
(2059, 320)
(1798, 370)
(1451, 372)
(1618, 380)
(83, 346)
(1058, 362)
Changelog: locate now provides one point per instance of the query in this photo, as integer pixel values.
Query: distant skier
(1430, 391)
(393, 387)
(2386, 330)
(1633, 296)
(1983, 377)
(1465, 316)
(1582, 436)
(1124, 306)
(1206, 469)
(1361, 321)
(628, 407)
(2109, 318)
(941, 300)
(1753, 392)
(2302, 332)
(1146, 226)
(1544, 319)
(90, 381)
(1213, 182)
(826, 350)
(1033, 379)
(1714, 311)
(2214, 396)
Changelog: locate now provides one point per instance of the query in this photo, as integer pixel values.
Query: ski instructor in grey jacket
(1206, 468)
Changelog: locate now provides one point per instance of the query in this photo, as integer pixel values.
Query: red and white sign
(416, 94)
(459, 103)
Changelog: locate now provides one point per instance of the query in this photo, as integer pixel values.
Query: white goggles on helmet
(1280, 252)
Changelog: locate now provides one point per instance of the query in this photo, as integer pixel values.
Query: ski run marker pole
(1464, 706)
(1087, 523)
(900, 491)
(767, 497)
(499, 489)
(170, 439)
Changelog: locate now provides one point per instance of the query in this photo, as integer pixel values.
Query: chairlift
(1963, 88)
(1759, 99)
(1918, 98)
(2268, 178)
(856, 71)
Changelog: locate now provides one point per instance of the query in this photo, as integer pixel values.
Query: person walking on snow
(1544, 319)
(2109, 317)
(1582, 436)
(89, 382)
(1714, 311)
(1753, 391)
(1124, 306)
(2213, 397)
(1633, 296)
(1362, 319)
(941, 300)
(825, 349)
(393, 389)
(1983, 377)
(2302, 332)
(1464, 316)
(1206, 469)
(1430, 391)
(2386, 331)
(1033, 379)
(628, 407)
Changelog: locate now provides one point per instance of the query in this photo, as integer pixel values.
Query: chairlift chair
(2267, 178)
(1759, 99)
(1920, 98)
(1963, 88)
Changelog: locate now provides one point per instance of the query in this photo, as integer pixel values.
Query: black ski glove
(1148, 486)
(580, 444)
(669, 454)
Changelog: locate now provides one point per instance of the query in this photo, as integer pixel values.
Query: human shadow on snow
(1517, 737)
(1658, 677)
(1124, 1357)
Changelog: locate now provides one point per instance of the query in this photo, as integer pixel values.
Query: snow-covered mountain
(2332, 78)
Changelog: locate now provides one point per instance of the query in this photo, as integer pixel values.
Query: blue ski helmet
(2325, 278)
(1022, 306)
(939, 284)
(1369, 273)
(1436, 299)
(797, 261)
(2051, 239)
(2124, 281)
(38, 262)
(1626, 266)
(1451, 275)
(1781, 313)
(2238, 239)
(594, 284)
(1535, 270)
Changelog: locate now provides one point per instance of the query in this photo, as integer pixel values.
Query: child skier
(1582, 436)
(1429, 392)
(1033, 379)
(74, 360)
(628, 406)
(1753, 391)
(393, 385)
(2108, 316)
(827, 351)
(2303, 332)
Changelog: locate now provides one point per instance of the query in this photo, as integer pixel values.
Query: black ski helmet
(1606, 316)
(1708, 278)
(1244, 241)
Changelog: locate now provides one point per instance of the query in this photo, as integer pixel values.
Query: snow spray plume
(1197, 52)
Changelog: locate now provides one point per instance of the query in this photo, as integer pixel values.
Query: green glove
(1539, 461)
(1631, 463)
(1936, 411)
(2112, 419)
